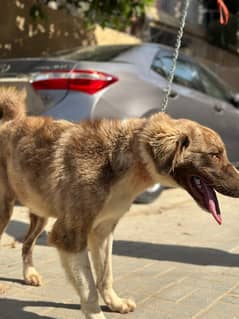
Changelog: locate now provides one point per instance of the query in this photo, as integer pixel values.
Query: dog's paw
(32, 277)
(120, 305)
(125, 306)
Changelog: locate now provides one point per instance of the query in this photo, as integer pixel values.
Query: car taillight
(86, 81)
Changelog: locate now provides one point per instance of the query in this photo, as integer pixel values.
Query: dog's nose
(227, 183)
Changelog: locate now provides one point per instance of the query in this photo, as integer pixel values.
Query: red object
(86, 81)
(224, 12)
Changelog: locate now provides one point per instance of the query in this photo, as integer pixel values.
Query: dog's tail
(12, 103)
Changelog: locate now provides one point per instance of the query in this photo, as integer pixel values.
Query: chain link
(175, 56)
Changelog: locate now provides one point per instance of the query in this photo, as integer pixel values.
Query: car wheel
(149, 195)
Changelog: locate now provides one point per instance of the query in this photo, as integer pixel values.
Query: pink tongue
(210, 197)
(213, 210)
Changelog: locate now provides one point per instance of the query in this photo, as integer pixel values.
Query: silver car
(122, 81)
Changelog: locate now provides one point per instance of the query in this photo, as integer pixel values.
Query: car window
(185, 73)
(193, 76)
(212, 86)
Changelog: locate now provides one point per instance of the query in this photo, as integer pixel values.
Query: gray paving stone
(221, 311)
(178, 292)
(169, 256)
(231, 299)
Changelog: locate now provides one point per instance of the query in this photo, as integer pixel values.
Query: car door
(227, 125)
(226, 114)
(196, 95)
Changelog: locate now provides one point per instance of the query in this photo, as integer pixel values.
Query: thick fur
(86, 175)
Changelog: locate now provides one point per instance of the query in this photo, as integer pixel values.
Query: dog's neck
(148, 145)
(136, 132)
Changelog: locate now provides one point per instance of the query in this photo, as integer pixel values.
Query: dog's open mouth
(205, 197)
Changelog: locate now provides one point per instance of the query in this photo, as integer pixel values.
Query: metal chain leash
(175, 56)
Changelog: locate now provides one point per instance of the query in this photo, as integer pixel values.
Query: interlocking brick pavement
(171, 257)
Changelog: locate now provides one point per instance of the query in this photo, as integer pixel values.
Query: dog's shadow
(163, 252)
(176, 253)
(16, 308)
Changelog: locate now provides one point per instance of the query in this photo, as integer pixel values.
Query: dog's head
(194, 156)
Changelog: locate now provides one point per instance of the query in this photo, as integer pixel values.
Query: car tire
(149, 195)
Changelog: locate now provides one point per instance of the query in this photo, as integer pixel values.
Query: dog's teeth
(198, 182)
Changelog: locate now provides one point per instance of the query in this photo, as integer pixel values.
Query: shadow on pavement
(18, 230)
(14, 280)
(176, 253)
(15, 308)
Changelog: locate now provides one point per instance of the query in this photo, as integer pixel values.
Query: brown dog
(86, 175)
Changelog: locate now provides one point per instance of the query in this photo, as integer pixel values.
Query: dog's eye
(215, 156)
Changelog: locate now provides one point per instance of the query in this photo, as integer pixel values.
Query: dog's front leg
(100, 241)
(77, 267)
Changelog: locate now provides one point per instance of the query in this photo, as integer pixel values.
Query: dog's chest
(120, 198)
(117, 204)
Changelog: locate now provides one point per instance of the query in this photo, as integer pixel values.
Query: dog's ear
(181, 145)
(167, 150)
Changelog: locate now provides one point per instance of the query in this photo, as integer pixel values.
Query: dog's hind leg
(101, 241)
(72, 248)
(6, 210)
(31, 276)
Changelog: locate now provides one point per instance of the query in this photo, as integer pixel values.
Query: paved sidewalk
(171, 257)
